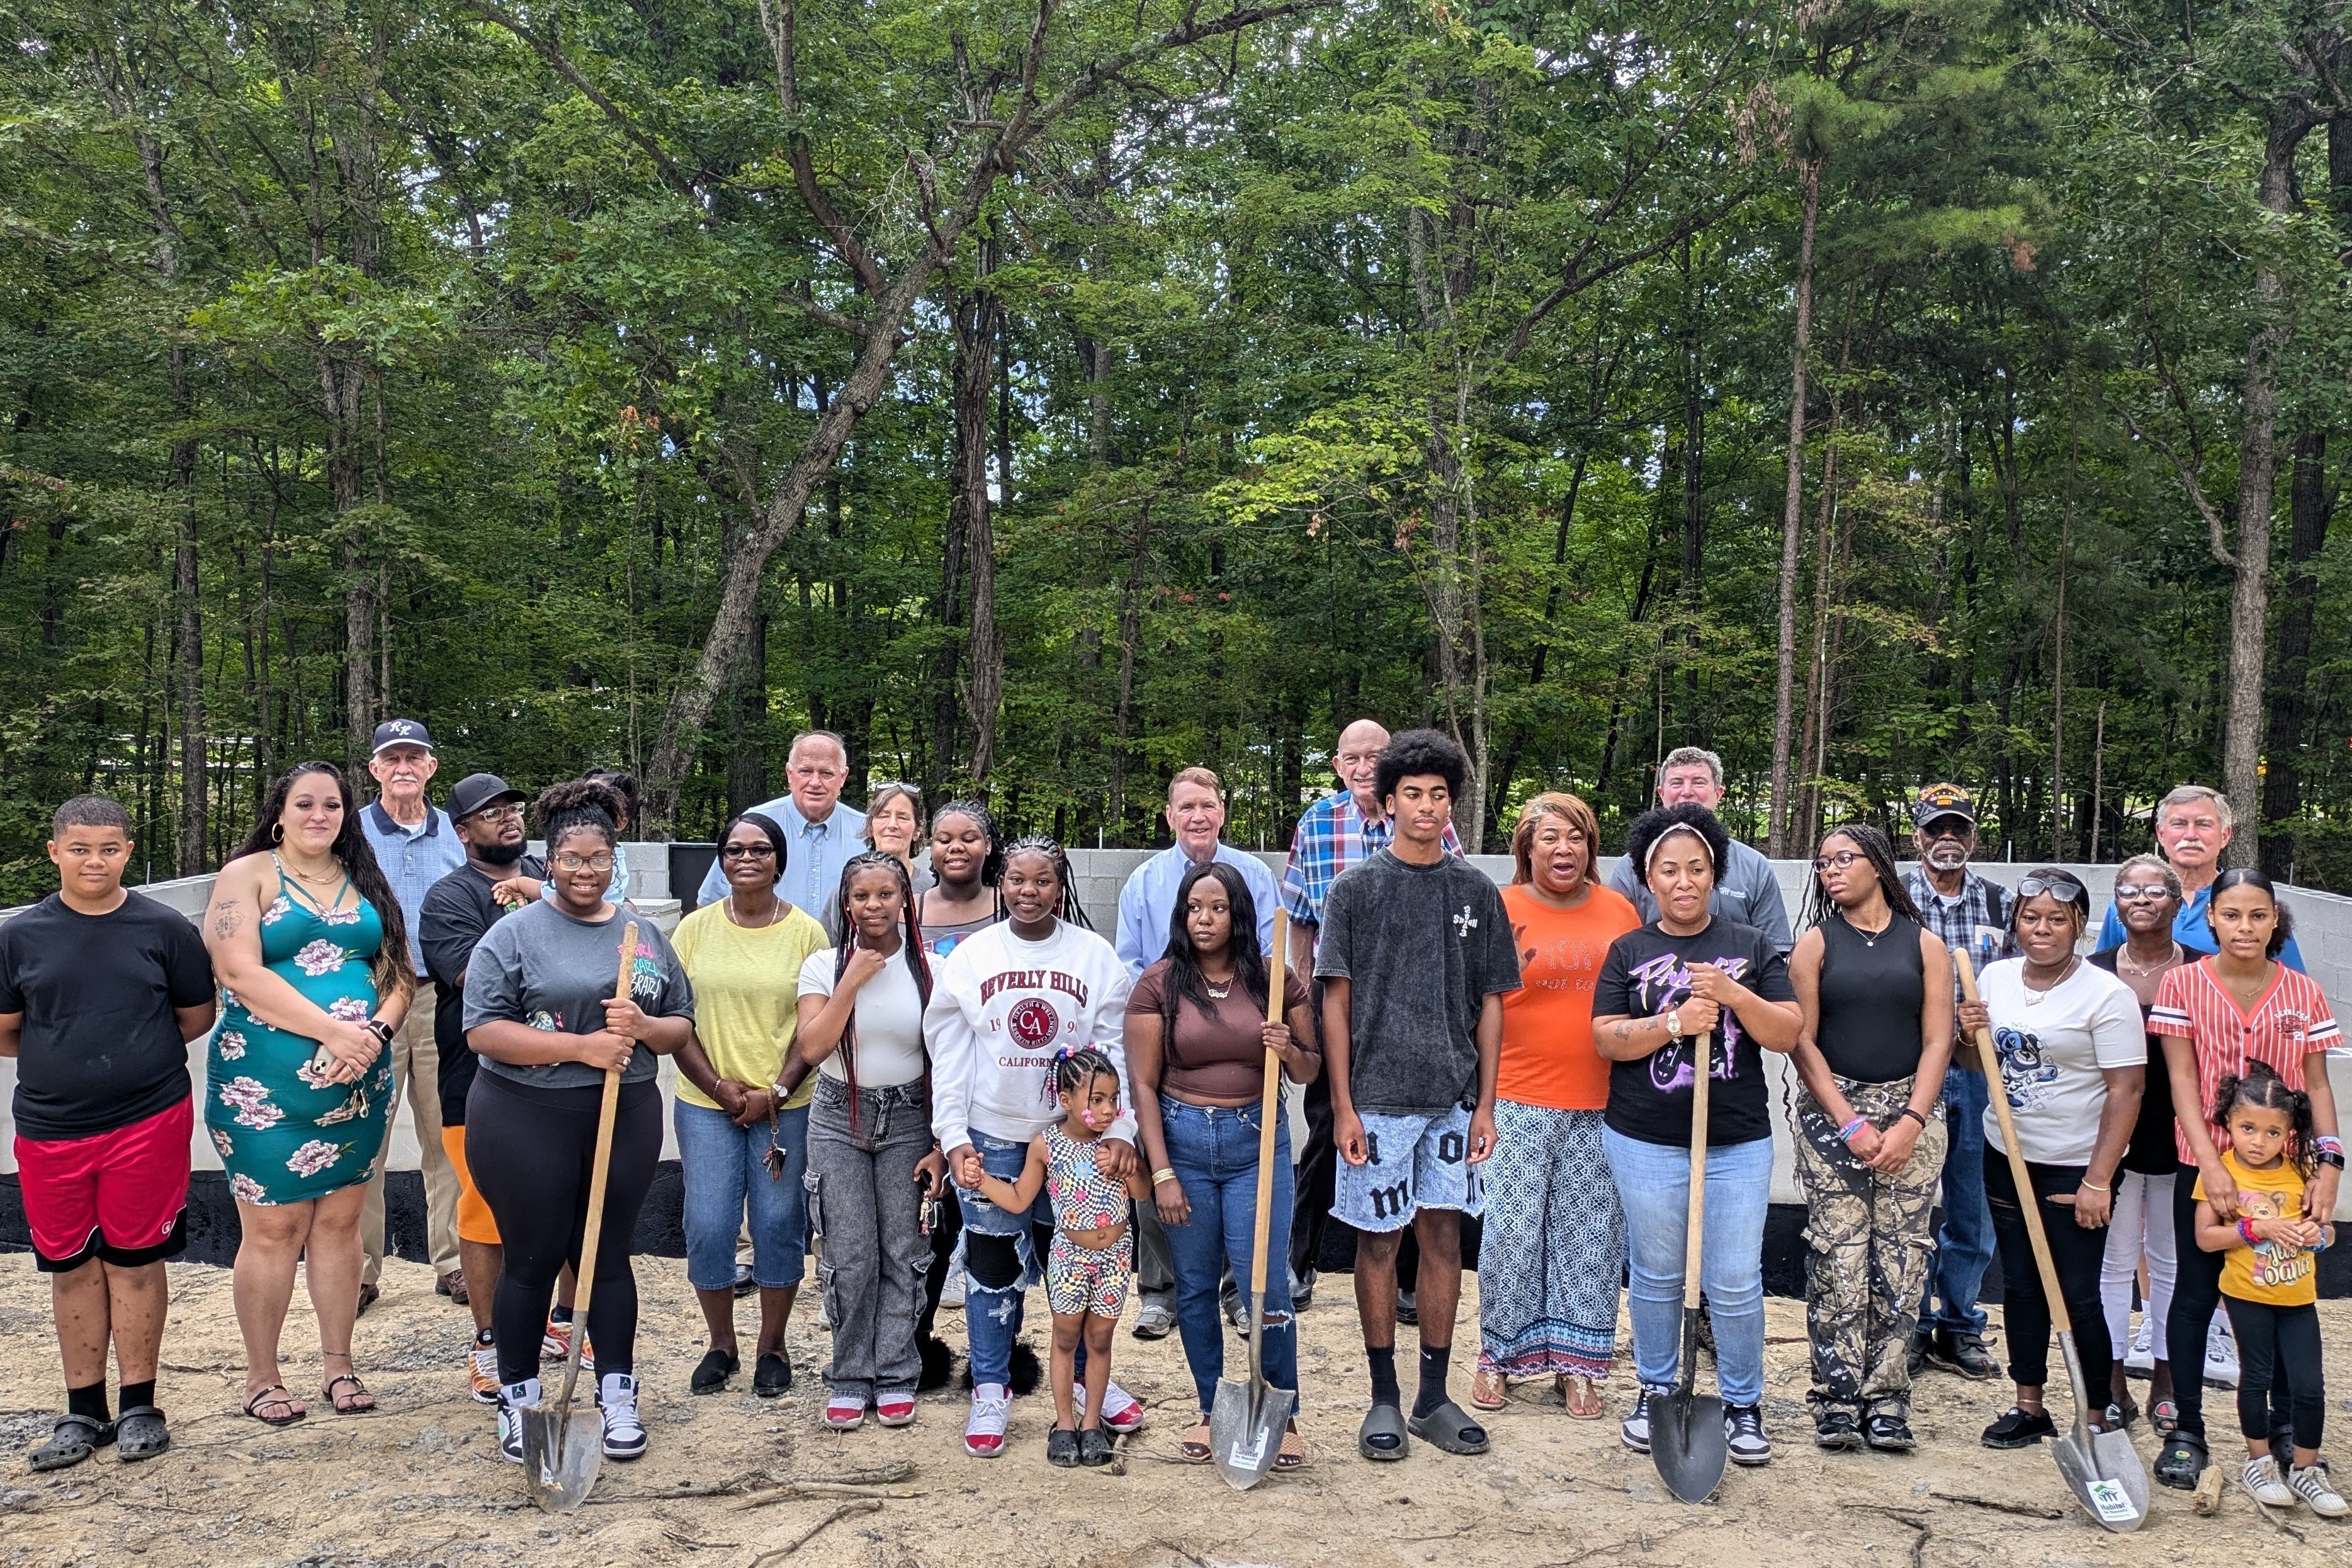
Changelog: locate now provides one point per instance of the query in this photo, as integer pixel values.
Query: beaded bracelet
(2246, 1232)
(1847, 1131)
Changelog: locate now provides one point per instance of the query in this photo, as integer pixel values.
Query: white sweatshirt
(1000, 1008)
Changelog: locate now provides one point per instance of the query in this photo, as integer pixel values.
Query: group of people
(897, 1041)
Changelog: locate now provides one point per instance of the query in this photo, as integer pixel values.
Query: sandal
(358, 1402)
(1450, 1428)
(1194, 1446)
(1381, 1437)
(1582, 1395)
(1489, 1389)
(2165, 1417)
(1292, 1455)
(139, 1434)
(74, 1439)
(278, 1395)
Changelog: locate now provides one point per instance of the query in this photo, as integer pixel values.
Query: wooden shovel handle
(1701, 1070)
(584, 1289)
(2027, 1199)
(1269, 1106)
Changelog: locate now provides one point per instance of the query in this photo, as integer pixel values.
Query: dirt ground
(421, 1483)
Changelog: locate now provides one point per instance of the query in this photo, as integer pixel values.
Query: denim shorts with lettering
(1414, 1163)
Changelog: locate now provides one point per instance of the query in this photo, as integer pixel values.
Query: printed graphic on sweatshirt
(2028, 1080)
(1663, 985)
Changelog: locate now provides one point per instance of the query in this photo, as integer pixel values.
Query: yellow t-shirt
(747, 984)
(2276, 1273)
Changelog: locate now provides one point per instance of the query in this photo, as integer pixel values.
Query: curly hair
(1417, 752)
(1655, 824)
(579, 805)
(2260, 1086)
(391, 967)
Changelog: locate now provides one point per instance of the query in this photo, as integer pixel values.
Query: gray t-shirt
(1422, 947)
(542, 968)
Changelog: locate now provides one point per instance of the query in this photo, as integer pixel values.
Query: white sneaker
(2139, 1358)
(2260, 1477)
(514, 1398)
(624, 1433)
(2311, 1483)
(1121, 1411)
(2220, 1356)
(951, 1293)
(983, 1431)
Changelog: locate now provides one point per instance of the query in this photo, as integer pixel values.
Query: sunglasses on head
(2064, 889)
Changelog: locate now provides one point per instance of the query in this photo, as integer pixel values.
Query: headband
(1650, 856)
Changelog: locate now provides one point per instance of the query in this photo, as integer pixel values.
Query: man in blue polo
(821, 833)
(2193, 826)
(417, 847)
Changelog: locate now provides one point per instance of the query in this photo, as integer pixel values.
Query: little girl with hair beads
(1093, 1252)
(2270, 1281)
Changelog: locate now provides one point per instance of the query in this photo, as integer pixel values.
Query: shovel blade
(562, 1453)
(1246, 1434)
(2106, 1476)
(1688, 1444)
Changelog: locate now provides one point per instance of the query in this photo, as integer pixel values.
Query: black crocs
(139, 1434)
(2181, 1461)
(72, 1441)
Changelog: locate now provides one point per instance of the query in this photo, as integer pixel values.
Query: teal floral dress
(285, 1133)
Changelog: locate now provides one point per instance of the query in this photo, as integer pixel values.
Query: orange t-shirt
(1548, 1058)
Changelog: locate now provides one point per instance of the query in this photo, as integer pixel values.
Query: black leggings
(2196, 1296)
(2278, 1358)
(2076, 1252)
(530, 1151)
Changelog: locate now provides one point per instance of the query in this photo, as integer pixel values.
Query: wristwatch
(1674, 1022)
(2329, 1158)
(384, 1031)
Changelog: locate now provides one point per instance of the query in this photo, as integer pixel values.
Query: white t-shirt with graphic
(2053, 1048)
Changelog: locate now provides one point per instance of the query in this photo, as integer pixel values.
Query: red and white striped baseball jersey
(2290, 1021)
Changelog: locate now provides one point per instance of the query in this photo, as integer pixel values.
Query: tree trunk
(747, 756)
(985, 696)
(1130, 637)
(976, 318)
(1793, 518)
(2311, 507)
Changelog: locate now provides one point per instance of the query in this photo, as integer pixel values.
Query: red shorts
(122, 1196)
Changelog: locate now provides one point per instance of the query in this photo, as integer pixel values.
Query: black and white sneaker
(624, 1434)
(1635, 1432)
(514, 1398)
(1743, 1433)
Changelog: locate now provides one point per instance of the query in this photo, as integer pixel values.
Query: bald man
(1342, 830)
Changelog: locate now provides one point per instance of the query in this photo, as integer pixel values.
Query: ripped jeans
(1004, 1255)
(867, 1202)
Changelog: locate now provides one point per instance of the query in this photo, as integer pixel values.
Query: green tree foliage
(1047, 396)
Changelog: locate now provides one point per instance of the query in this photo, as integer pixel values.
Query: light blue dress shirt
(1149, 900)
(813, 870)
(413, 860)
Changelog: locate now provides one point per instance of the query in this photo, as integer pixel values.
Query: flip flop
(1591, 1408)
(1381, 1438)
(1450, 1428)
(74, 1439)
(358, 1402)
(275, 1394)
(1489, 1390)
(1194, 1446)
(139, 1434)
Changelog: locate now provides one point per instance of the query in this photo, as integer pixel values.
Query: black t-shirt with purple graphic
(1647, 973)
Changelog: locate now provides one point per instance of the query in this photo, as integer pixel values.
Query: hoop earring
(276, 832)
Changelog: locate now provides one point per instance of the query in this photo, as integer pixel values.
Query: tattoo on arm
(228, 921)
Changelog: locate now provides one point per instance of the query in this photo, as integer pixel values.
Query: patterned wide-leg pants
(1551, 1263)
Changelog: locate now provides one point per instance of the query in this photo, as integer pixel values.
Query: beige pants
(416, 1071)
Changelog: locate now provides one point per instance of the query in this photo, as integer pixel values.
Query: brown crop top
(1214, 1056)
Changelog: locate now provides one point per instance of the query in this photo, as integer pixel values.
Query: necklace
(2035, 999)
(1216, 992)
(321, 880)
(774, 910)
(2171, 957)
(1870, 938)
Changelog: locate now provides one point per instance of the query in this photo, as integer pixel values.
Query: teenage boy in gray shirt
(1415, 955)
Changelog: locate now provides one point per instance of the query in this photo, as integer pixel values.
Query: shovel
(560, 1455)
(2102, 1469)
(1686, 1435)
(1246, 1421)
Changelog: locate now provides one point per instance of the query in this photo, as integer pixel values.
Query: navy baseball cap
(399, 732)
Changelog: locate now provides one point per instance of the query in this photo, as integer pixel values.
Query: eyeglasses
(2064, 889)
(747, 853)
(510, 812)
(584, 862)
(2142, 893)
(1837, 862)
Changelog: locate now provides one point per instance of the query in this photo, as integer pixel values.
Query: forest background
(1046, 394)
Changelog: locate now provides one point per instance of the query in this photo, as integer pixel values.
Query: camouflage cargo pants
(1871, 1241)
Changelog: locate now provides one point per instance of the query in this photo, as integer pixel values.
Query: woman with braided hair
(1007, 998)
(542, 1015)
(871, 1160)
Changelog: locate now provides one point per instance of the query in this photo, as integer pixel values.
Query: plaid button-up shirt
(1332, 836)
(413, 860)
(1976, 922)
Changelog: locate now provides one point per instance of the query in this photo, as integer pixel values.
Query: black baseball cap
(399, 732)
(1943, 801)
(476, 790)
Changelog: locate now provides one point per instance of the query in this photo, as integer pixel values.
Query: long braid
(1879, 851)
(910, 941)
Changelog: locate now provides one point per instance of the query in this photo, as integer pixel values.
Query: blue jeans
(1964, 1240)
(1213, 1149)
(724, 1166)
(1654, 1187)
(992, 1312)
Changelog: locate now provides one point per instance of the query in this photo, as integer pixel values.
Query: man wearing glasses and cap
(416, 846)
(1971, 916)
